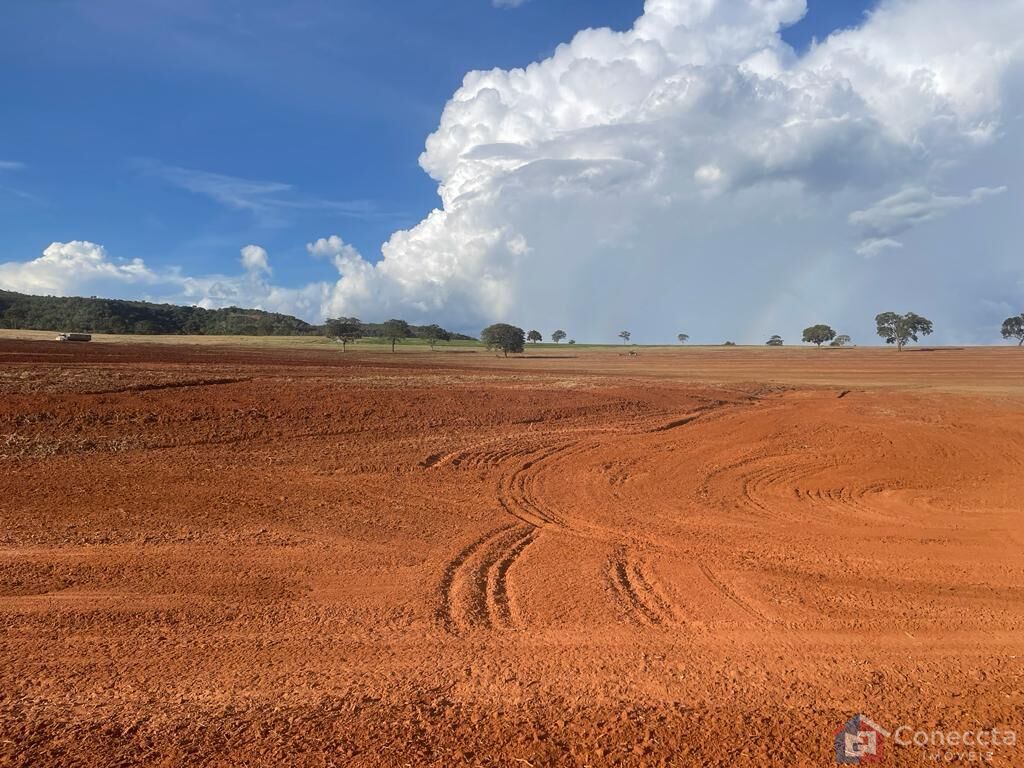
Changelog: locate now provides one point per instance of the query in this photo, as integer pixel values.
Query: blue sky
(688, 166)
(334, 99)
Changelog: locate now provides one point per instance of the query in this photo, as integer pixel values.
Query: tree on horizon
(395, 331)
(1013, 328)
(343, 329)
(901, 329)
(433, 334)
(504, 337)
(818, 334)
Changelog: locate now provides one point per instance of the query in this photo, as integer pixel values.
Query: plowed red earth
(217, 556)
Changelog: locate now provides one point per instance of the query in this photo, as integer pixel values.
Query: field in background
(991, 369)
(268, 552)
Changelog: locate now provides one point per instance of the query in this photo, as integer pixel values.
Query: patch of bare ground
(273, 557)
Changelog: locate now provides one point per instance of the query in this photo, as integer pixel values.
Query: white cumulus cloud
(255, 259)
(66, 267)
(695, 173)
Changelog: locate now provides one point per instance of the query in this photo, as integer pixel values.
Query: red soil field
(223, 556)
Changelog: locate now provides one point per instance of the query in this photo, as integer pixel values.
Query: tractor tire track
(645, 605)
(448, 615)
(475, 591)
(499, 604)
(731, 595)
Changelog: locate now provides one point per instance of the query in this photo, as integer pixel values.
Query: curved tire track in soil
(499, 603)
(475, 592)
(846, 499)
(747, 480)
(447, 614)
(766, 483)
(637, 593)
(515, 494)
(731, 595)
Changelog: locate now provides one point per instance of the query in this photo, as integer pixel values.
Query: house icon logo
(860, 741)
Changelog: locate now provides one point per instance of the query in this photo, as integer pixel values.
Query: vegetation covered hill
(92, 315)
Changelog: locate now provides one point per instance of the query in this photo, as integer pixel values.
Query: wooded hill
(92, 315)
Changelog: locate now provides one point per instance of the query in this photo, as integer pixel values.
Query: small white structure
(74, 337)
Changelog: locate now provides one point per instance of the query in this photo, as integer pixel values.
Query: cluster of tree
(816, 334)
(893, 327)
(535, 336)
(349, 329)
(382, 330)
(512, 339)
(92, 315)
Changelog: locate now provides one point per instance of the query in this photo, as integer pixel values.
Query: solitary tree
(534, 336)
(729, 344)
(625, 335)
(683, 338)
(507, 338)
(343, 329)
(394, 331)
(775, 341)
(557, 336)
(1013, 328)
(900, 329)
(818, 334)
(572, 341)
(433, 334)
(840, 341)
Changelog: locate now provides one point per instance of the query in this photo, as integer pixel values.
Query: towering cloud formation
(694, 171)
